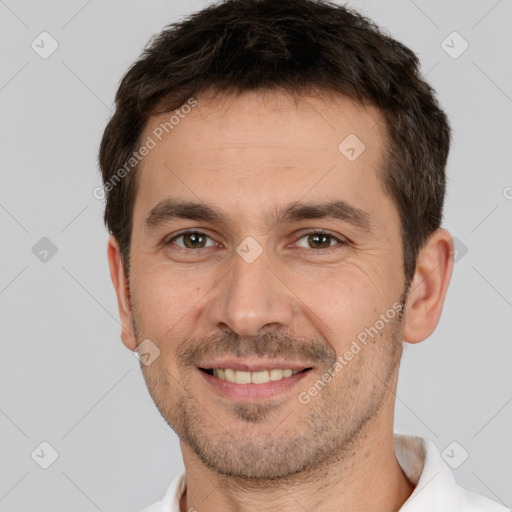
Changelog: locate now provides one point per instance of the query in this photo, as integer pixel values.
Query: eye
(192, 240)
(320, 240)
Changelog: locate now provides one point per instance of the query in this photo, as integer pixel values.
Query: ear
(122, 288)
(428, 289)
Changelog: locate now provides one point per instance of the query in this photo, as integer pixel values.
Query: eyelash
(341, 241)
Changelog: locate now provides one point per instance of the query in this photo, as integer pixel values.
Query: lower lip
(253, 392)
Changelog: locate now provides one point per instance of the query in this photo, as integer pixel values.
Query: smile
(245, 377)
(252, 382)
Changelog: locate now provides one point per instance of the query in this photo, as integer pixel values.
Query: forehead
(274, 117)
(258, 148)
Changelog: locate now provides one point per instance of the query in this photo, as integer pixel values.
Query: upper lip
(253, 365)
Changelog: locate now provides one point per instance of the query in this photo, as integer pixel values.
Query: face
(265, 253)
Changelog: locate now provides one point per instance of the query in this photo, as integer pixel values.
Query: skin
(301, 300)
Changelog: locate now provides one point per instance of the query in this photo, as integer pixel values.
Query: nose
(252, 299)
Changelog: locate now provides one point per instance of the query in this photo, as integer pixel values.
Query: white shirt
(435, 487)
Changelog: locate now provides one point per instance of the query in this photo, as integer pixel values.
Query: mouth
(254, 382)
(247, 377)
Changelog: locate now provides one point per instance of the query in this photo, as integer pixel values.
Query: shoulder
(435, 485)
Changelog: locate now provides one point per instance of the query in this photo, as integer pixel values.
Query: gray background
(65, 376)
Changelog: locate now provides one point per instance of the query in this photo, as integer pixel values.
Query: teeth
(259, 377)
(229, 375)
(242, 377)
(276, 374)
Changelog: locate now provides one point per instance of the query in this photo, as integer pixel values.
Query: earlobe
(121, 286)
(428, 289)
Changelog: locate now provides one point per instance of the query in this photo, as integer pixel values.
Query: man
(275, 178)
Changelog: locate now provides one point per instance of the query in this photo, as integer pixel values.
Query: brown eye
(192, 240)
(319, 240)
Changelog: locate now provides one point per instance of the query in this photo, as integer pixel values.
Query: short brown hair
(298, 46)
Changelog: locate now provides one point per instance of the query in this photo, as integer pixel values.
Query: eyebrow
(170, 209)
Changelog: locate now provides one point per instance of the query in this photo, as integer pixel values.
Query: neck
(365, 478)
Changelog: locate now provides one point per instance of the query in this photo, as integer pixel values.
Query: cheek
(163, 294)
(344, 304)
(339, 293)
